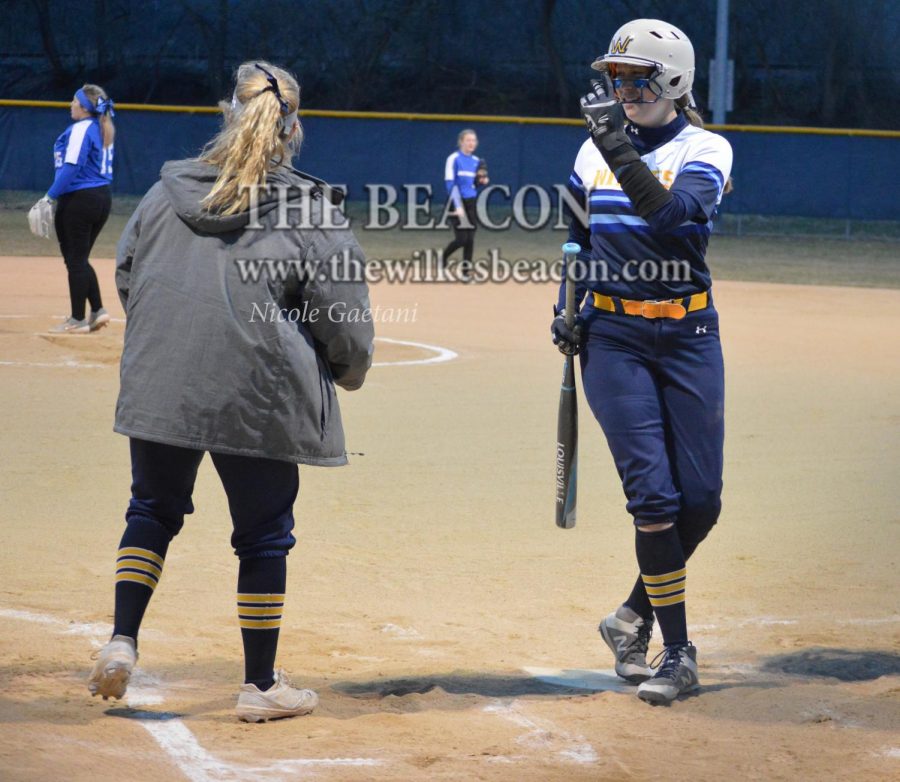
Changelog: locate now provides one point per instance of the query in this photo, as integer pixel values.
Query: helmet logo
(621, 45)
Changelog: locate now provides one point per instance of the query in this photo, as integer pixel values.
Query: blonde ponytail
(261, 132)
(107, 128)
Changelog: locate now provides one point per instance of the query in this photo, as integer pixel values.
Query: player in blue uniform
(83, 157)
(464, 173)
(648, 333)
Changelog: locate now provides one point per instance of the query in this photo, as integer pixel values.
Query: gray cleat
(98, 319)
(72, 326)
(628, 636)
(676, 675)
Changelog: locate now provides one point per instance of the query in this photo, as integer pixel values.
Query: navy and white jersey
(80, 159)
(694, 165)
(459, 173)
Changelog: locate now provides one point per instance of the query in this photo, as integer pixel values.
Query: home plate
(599, 681)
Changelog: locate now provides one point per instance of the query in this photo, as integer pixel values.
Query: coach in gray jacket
(217, 361)
(237, 330)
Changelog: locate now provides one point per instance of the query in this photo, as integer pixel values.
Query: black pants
(463, 237)
(80, 216)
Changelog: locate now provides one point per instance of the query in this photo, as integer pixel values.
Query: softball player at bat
(651, 359)
(202, 370)
(80, 198)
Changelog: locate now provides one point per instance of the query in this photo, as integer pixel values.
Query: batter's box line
(179, 743)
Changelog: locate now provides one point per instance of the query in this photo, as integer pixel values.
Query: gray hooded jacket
(217, 362)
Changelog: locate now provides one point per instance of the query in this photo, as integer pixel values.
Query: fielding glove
(481, 173)
(40, 217)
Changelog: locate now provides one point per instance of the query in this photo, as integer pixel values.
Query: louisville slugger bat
(567, 421)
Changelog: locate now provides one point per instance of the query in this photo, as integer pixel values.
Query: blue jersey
(694, 165)
(80, 159)
(459, 173)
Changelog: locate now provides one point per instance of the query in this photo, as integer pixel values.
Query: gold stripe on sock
(139, 564)
(260, 610)
(662, 579)
(659, 591)
(260, 624)
(138, 572)
(658, 602)
(248, 598)
(141, 552)
(138, 578)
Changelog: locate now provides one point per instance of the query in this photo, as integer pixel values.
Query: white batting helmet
(651, 42)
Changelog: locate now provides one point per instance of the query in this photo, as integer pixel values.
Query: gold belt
(668, 308)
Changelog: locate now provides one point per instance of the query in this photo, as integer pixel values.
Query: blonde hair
(463, 134)
(107, 129)
(255, 138)
(683, 104)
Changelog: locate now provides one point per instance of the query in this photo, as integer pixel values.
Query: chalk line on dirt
(54, 364)
(173, 736)
(543, 734)
(443, 354)
(199, 765)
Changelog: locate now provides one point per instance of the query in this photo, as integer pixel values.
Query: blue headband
(104, 105)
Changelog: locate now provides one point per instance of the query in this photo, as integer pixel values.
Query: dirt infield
(447, 624)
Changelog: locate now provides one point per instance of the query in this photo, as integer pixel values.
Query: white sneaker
(280, 700)
(628, 636)
(113, 668)
(677, 675)
(98, 319)
(72, 326)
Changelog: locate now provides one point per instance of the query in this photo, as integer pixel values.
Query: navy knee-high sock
(661, 560)
(261, 585)
(638, 601)
(139, 564)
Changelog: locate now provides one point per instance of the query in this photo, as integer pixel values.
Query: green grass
(790, 258)
(766, 225)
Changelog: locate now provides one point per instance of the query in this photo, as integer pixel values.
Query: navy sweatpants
(657, 387)
(261, 494)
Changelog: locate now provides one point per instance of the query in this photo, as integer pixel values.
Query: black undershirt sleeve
(644, 189)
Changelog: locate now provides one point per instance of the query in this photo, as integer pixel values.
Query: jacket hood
(187, 182)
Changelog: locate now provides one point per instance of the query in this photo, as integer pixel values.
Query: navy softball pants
(657, 387)
(261, 494)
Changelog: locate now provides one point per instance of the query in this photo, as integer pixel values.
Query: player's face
(650, 112)
(469, 143)
(76, 110)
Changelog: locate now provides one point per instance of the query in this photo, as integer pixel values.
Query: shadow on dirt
(847, 665)
(485, 685)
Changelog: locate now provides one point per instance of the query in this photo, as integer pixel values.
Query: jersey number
(107, 162)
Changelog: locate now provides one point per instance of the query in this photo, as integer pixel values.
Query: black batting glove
(605, 120)
(567, 340)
